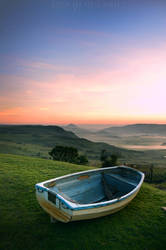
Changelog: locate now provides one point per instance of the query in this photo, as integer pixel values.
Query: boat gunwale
(77, 206)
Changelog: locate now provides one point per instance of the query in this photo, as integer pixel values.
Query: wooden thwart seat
(109, 190)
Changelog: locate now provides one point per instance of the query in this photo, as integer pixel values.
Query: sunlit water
(142, 147)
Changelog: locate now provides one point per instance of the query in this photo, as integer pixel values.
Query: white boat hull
(61, 212)
(86, 214)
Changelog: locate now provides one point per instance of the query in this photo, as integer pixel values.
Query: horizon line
(62, 124)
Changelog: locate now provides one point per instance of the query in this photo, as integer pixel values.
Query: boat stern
(53, 205)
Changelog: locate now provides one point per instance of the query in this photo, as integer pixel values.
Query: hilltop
(141, 225)
(81, 132)
(155, 129)
(148, 129)
(147, 138)
(38, 140)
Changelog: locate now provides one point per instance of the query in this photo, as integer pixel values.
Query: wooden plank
(107, 190)
(83, 177)
(51, 184)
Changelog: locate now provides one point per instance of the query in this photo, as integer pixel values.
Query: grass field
(24, 225)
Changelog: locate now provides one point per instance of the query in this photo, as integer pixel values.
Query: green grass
(24, 149)
(24, 225)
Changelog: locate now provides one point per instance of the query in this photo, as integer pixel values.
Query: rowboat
(89, 194)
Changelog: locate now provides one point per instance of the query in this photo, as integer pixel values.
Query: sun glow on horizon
(107, 71)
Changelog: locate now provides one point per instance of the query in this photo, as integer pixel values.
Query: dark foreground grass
(24, 225)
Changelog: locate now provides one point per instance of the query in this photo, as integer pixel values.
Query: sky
(82, 61)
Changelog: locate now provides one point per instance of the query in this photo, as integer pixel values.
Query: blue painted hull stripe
(41, 188)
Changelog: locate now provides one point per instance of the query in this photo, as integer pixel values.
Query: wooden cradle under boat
(89, 194)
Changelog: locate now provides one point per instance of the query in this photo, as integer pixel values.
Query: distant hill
(95, 127)
(37, 140)
(158, 129)
(81, 132)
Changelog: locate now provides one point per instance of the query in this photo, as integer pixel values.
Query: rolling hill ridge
(158, 129)
(21, 139)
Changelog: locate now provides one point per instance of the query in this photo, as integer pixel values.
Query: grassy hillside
(24, 225)
(37, 140)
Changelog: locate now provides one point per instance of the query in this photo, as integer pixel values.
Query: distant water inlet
(143, 147)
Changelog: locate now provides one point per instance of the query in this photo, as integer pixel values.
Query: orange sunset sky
(83, 64)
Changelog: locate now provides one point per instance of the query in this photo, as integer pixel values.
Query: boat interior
(97, 186)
